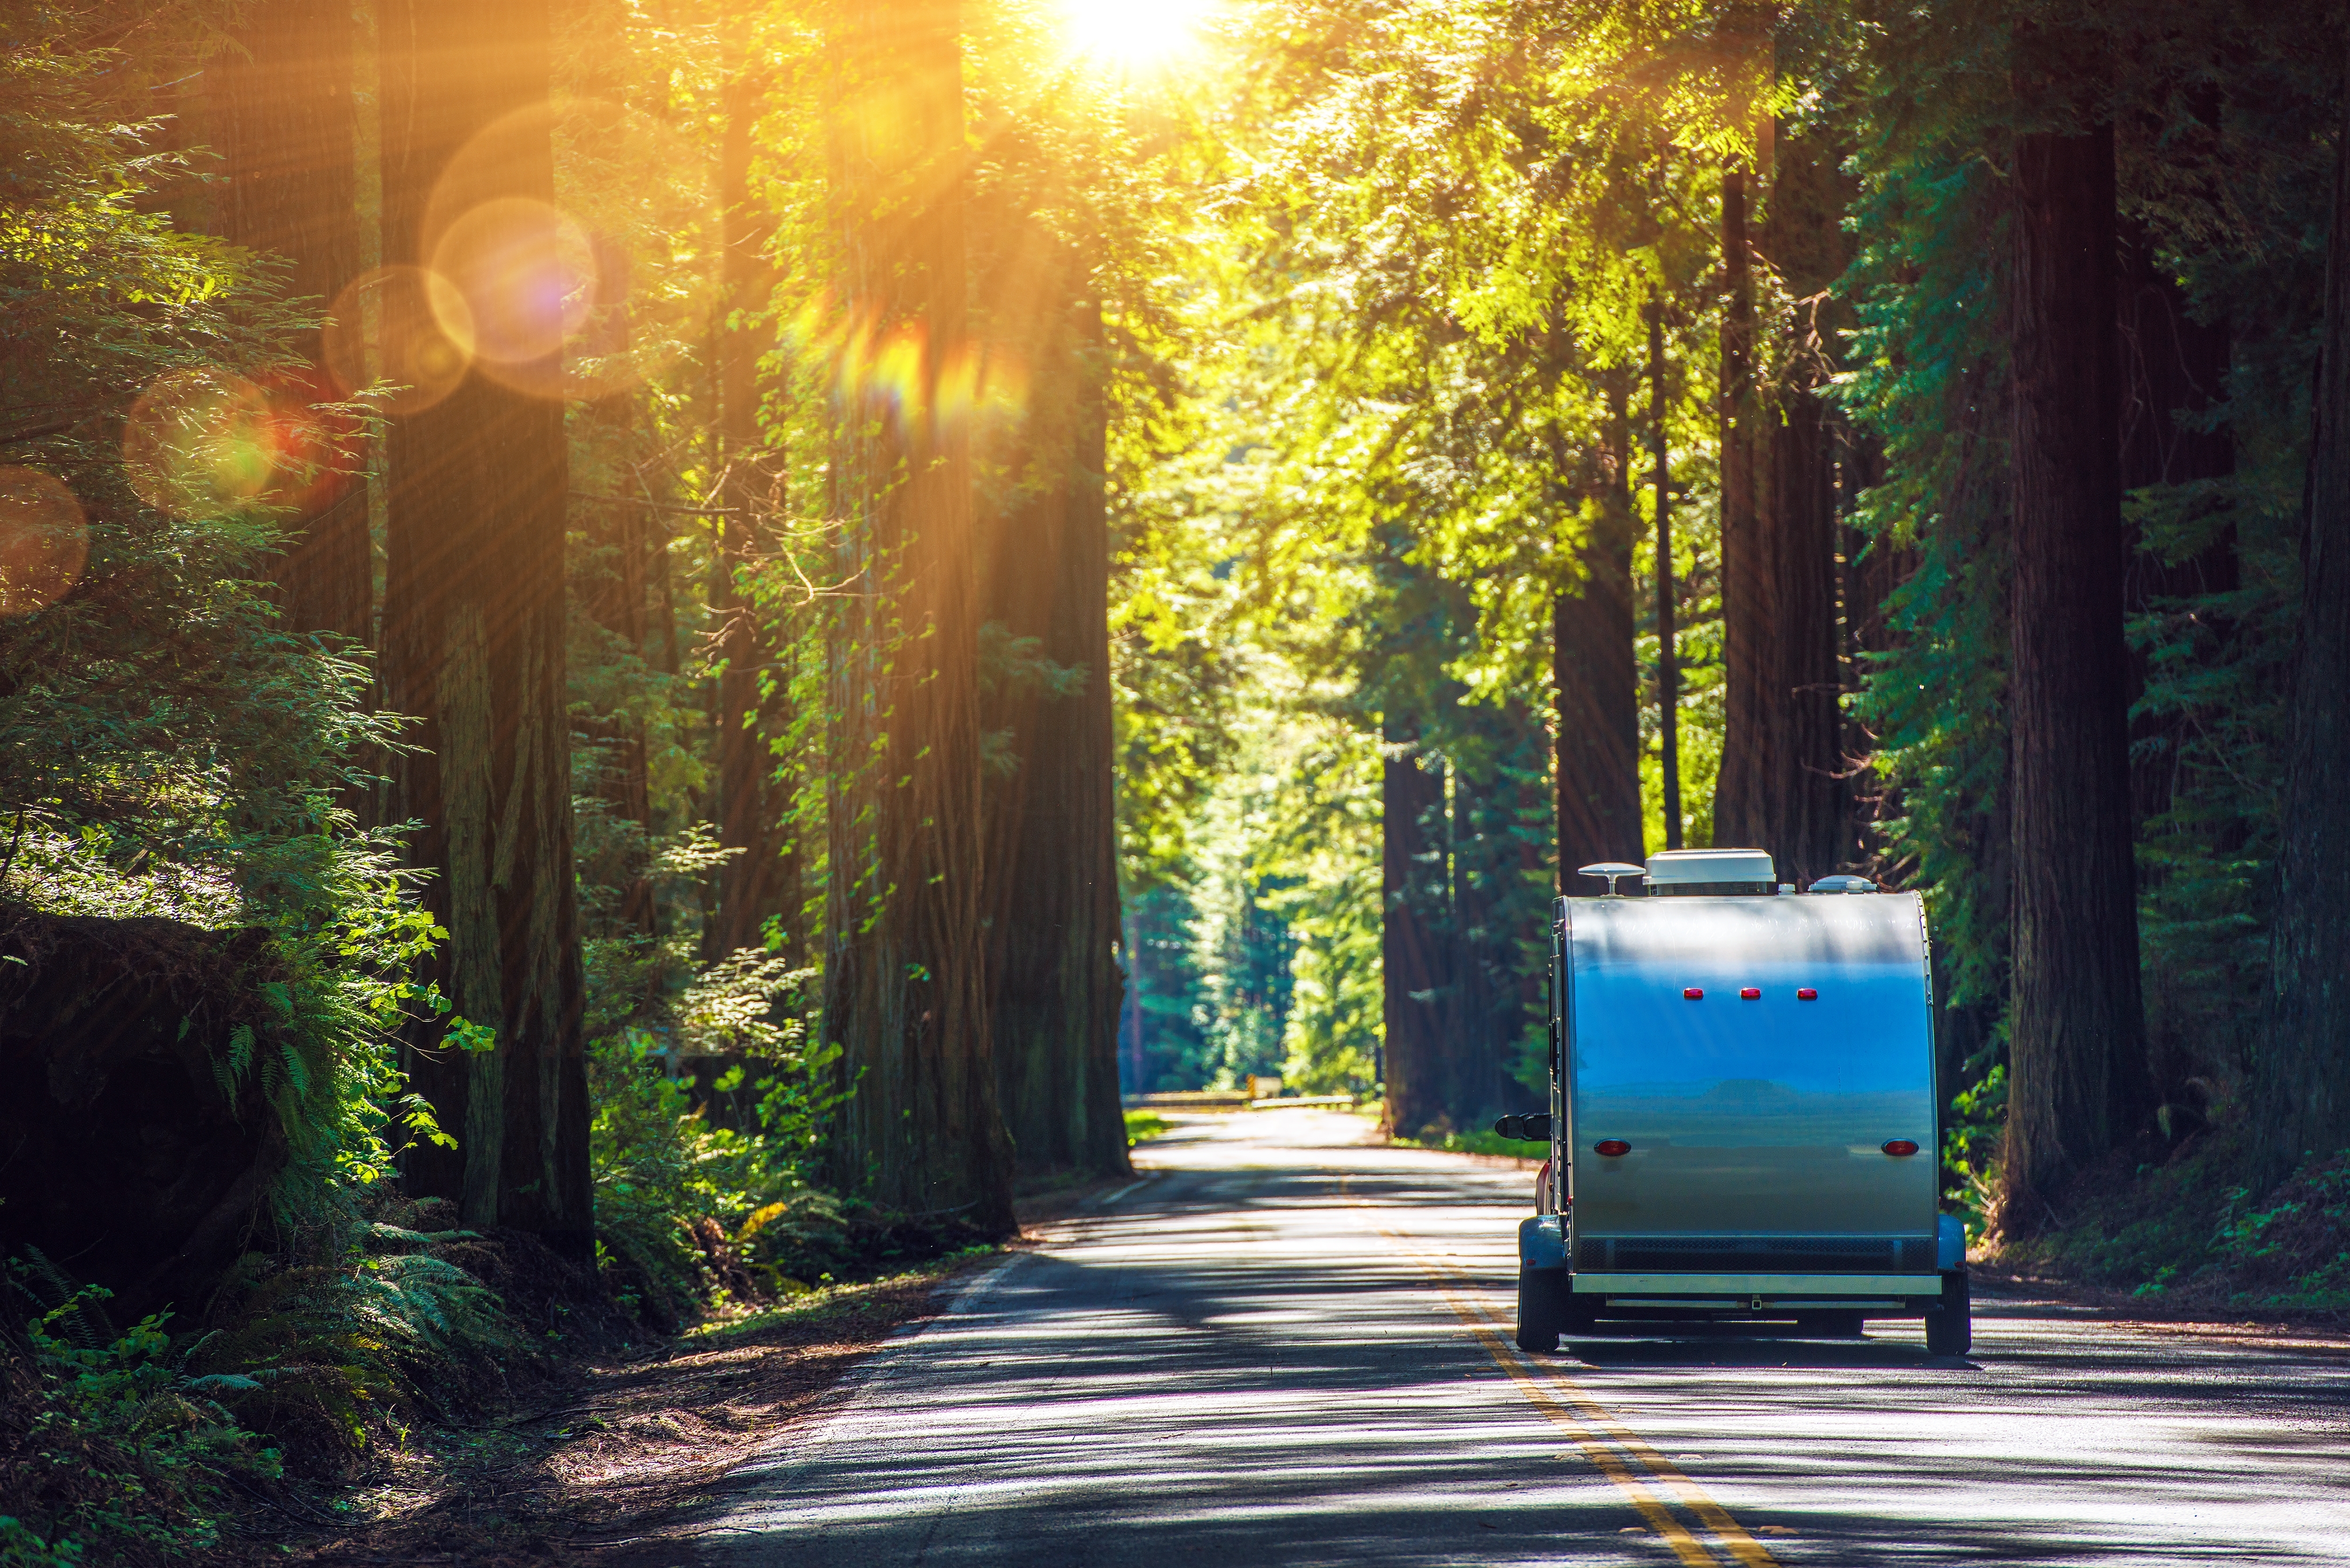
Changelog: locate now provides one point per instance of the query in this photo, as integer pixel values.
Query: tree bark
(1411, 948)
(2078, 1056)
(1596, 677)
(2302, 1080)
(474, 646)
(283, 120)
(1805, 809)
(905, 982)
(1052, 852)
(1749, 610)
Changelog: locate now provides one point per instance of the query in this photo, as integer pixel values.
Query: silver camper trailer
(1743, 1104)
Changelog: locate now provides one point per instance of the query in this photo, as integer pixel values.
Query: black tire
(1830, 1324)
(1542, 1309)
(1950, 1327)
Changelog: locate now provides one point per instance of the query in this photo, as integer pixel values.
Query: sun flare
(1134, 35)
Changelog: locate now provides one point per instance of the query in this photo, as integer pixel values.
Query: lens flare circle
(637, 239)
(43, 541)
(520, 274)
(200, 441)
(388, 327)
(204, 441)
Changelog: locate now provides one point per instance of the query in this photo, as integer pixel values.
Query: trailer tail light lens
(1806, 994)
(1695, 993)
(1900, 1147)
(1750, 993)
(1612, 1146)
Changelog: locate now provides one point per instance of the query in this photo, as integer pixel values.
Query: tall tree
(1594, 675)
(2079, 1071)
(1051, 876)
(1413, 970)
(280, 101)
(905, 982)
(749, 881)
(2302, 1085)
(1749, 598)
(1801, 814)
(474, 612)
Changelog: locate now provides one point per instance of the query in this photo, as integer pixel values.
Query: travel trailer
(1741, 1122)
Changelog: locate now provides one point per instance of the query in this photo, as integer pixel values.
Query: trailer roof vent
(1844, 885)
(1716, 871)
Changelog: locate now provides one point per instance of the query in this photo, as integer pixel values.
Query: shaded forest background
(650, 646)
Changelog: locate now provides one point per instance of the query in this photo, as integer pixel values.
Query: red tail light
(1899, 1146)
(1750, 993)
(1611, 1147)
(1694, 994)
(1806, 994)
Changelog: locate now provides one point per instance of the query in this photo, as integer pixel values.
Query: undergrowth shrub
(116, 1450)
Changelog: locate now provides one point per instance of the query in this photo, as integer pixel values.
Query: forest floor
(622, 1440)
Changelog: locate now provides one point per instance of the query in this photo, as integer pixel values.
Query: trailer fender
(1950, 1243)
(1541, 1242)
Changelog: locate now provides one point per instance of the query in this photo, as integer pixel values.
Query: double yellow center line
(1614, 1449)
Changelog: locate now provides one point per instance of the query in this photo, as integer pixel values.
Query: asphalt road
(1282, 1347)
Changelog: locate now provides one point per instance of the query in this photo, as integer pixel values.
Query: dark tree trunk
(1807, 810)
(1411, 948)
(282, 119)
(2078, 1055)
(1749, 610)
(748, 882)
(1779, 787)
(905, 981)
(1052, 853)
(1596, 677)
(474, 646)
(2302, 1080)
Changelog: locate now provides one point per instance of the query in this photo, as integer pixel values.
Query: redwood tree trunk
(1052, 853)
(1411, 950)
(905, 982)
(474, 647)
(1742, 791)
(2302, 1084)
(1595, 678)
(282, 119)
(2078, 1059)
(1806, 808)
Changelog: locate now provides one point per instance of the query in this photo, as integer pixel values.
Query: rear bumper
(1733, 1289)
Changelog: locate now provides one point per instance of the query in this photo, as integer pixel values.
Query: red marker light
(1694, 994)
(1901, 1148)
(1807, 994)
(1611, 1147)
(1750, 993)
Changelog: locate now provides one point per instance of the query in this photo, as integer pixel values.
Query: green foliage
(120, 1451)
(1142, 1126)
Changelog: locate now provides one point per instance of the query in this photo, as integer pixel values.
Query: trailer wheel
(1830, 1324)
(1950, 1328)
(1543, 1309)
